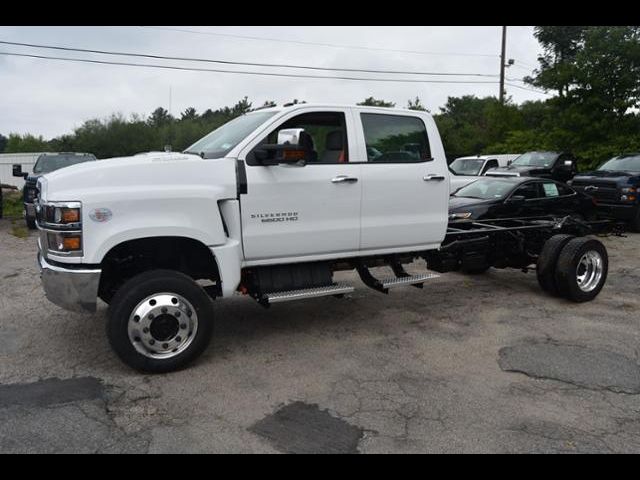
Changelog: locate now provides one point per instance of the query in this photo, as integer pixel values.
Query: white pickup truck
(270, 205)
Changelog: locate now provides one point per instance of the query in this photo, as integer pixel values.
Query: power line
(240, 72)
(319, 44)
(529, 89)
(245, 64)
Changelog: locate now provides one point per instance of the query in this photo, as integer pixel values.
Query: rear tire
(547, 261)
(31, 223)
(160, 321)
(582, 270)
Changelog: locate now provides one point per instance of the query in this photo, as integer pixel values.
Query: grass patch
(12, 204)
(20, 231)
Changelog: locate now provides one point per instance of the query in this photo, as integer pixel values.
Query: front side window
(529, 191)
(324, 139)
(395, 139)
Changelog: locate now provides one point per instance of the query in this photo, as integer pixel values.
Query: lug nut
(165, 345)
(152, 302)
(164, 310)
(174, 301)
(177, 314)
(151, 316)
(145, 330)
(136, 319)
(152, 342)
(183, 326)
(178, 339)
(189, 313)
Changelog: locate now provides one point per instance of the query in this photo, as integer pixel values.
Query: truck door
(292, 211)
(405, 182)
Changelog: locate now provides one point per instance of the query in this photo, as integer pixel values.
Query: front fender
(194, 216)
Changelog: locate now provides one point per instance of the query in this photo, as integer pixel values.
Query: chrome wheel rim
(162, 326)
(590, 271)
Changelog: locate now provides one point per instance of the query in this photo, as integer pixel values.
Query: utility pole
(503, 63)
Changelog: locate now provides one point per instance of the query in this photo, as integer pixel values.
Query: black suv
(560, 166)
(46, 163)
(615, 185)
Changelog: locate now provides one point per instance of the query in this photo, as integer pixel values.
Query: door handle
(344, 179)
(434, 178)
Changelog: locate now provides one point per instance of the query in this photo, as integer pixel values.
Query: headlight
(64, 242)
(629, 190)
(61, 227)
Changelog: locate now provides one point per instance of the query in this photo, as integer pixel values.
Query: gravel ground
(469, 364)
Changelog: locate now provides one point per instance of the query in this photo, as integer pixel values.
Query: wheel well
(131, 258)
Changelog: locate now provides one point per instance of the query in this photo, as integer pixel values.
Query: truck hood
(521, 171)
(129, 176)
(613, 177)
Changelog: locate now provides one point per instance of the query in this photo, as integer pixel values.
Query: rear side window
(491, 164)
(395, 139)
(530, 191)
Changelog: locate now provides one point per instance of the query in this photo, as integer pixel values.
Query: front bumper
(74, 289)
(618, 211)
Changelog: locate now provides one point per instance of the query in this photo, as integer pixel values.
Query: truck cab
(559, 166)
(46, 163)
(615, 186)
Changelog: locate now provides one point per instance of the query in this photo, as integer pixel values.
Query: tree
(372, 102)
(26, 144)
(159, 117)
(3, 142)
(189, 114)
(416, 105)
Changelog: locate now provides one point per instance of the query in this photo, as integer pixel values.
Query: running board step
(404, 281)
(331, 290)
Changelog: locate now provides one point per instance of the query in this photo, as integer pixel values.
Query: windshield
(221, 141)
(485, 189)
(622, 164)
(536, 159)
(467, 166)
(51, 163)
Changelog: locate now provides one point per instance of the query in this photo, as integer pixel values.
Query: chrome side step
(331, 290)
(404, 281)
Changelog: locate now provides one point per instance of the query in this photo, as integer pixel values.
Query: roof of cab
(300, 106)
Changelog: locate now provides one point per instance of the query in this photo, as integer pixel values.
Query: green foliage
(3, 142)
(12, 204)
(372, 102)
(25, 144)
(416, 105)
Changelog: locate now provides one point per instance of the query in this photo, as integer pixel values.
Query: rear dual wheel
(573, 268)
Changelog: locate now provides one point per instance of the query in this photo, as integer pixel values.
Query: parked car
(511, 197)
(560, 166)
(465, 170)
(46, 163)
(615, 185)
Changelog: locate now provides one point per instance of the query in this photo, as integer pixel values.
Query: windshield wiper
(200, 154)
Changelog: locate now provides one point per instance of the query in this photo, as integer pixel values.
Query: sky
(51, 98)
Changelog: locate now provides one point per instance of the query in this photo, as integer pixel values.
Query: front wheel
(160, 321)
(582, 269)
(635, 223)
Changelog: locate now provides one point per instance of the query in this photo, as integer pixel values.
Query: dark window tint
(324, 138)
(529, 191)
(395, 139)
(490, 164)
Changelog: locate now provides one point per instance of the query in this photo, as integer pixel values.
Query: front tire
(635, 223)
(31, 223)
(582, 269)
(160, 321)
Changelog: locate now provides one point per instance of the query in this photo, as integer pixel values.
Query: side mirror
(287, 151)
(517, 200)
(509, 163)
(17, 172)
